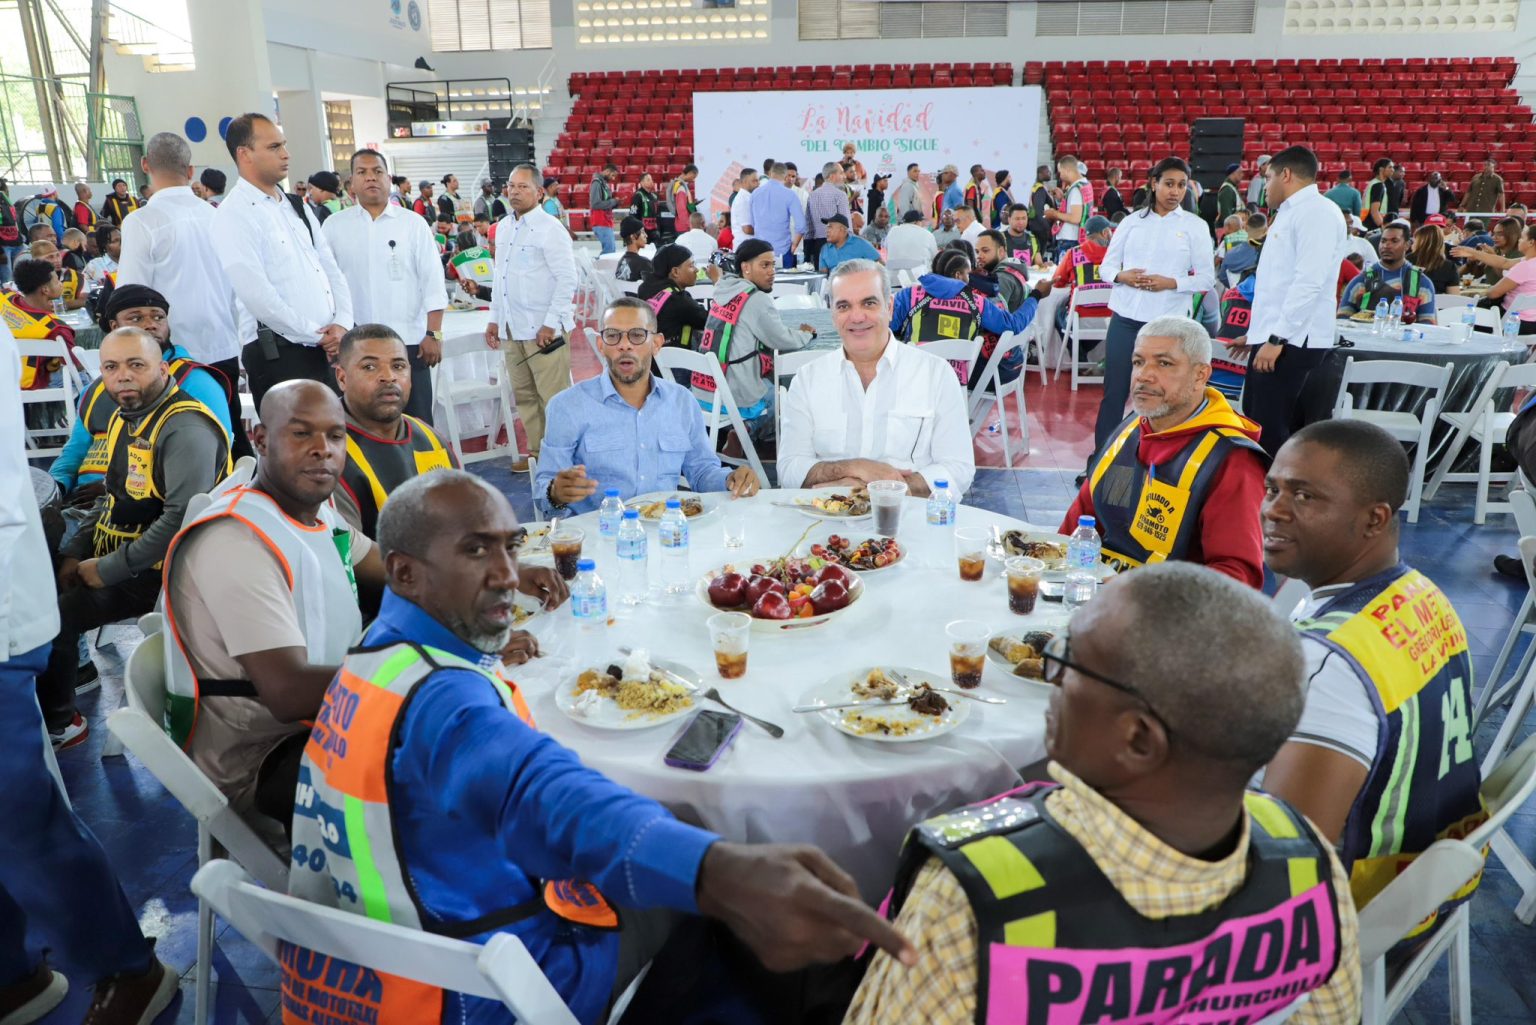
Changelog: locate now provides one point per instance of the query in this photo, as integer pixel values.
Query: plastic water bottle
(1383, 318)
(673, 534)
(1511, 326)
(609, 514)
(1396, 314)
(634, 572)
(1468, 320)
(58, 307)
(589, 597)
(1083, 549)
(941, 505)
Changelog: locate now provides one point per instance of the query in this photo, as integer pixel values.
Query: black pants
(420, 404)
(240, 445)
(83, 608)
(1119, 342)
(813, 252)
(293, 362)
(1273, 400)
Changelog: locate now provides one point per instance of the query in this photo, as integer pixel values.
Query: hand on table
(572, 485)
(742, 482)
(1268, 353)
(543, 583)
(870, 470)
(521, 647)
(792, 905)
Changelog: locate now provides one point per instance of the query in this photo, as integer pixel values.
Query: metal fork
(946, 690)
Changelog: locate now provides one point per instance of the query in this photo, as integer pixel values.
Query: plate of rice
(633, 692)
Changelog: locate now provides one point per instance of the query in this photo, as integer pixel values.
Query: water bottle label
(589, 606)
(674, 536)
(632, 548)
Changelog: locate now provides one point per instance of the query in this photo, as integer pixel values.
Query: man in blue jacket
(428, 798)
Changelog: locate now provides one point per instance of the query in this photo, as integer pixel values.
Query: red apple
(728, 591)
(833, 571)
(772, 605)
(759, 586)
(829, 596)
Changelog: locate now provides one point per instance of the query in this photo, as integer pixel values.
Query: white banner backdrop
(997, 127)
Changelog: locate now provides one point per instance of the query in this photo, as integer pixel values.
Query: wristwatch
(435, 334)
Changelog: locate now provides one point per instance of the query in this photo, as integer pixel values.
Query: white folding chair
(961, 353)
(500, 970)
(796, 301)
(1494, 694)
(786, 288)
(1433, 878)
(1452, 302)
(1080, 329)
(139, 725)
(1505, 791)
(785, 366)
(991, 391)
(496, 389)
(66, 392)
(1519, 689)
(1405, 427)
(1521, 302)
(89, 360)
(1488, 318)
(1485, 424)
(673, 357)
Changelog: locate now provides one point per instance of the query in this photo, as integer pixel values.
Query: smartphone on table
(704, 740)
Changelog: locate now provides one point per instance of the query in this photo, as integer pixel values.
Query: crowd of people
(329, 304)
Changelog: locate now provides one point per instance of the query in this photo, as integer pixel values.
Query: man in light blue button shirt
(627, 428)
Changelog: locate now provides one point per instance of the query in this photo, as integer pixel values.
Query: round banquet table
(1472, 362)
(855, 798)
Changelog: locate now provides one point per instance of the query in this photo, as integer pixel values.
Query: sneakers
(1509, 566)
(132, 999)
(31, 998)
(87, 678)
(75, 733)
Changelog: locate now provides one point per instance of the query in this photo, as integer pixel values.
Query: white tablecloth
(1435, 342)
(854, 798)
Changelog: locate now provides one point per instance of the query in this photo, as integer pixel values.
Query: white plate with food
(697, 508)
(1018, 651)
(525, 607)
(839, 503)
(863, 555)
(535, 544)
(807, 592)
(919, 712)
(1049, 548)
(645, 692)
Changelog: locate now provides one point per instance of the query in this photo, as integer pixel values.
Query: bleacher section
(1446, 114)
(643, 120)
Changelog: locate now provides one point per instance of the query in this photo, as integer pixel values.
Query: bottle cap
(611, 493)
(585, 564)
(673, 503)
(1086, 521)
(941, 483)
(631, 514)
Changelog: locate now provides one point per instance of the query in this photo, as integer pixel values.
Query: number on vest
(304, 857)
(1456, 726)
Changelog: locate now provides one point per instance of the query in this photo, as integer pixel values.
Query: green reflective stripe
(179, 712)
(1005, 868)
(369, 883)
(1387, 827)
(399, 662)
(1034, 931)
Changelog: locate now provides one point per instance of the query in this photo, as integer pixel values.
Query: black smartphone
(707, 736)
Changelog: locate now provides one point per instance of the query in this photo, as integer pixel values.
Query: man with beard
(628, 429)
(1182, 477)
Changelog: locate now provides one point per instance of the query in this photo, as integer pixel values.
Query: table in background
(87, 334)
(854, 798)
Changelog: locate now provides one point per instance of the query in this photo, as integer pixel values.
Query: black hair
(213, 180)
(691, 169)
(445, 178)
(951, 258)
(1298, 160)
(1000, 178)
(1159, 169)
(118, 181)
(912, 165)
(1378, 165)
(1258, 220)
(363, 333)
(369, 153)
(1346, 175)
(1015, 208)
(30, 274)
(240, 132)
(104, 235)
(1373, 460)
(993, 235)
(610, 167)
(1405, 229)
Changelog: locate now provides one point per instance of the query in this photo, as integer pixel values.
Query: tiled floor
(151, 841)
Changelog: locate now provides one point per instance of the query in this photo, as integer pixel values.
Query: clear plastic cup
(733, 523)
(565, 543)
(730, 633)
(967, 651)
(971, 552)
(1023, 575)
(885, 499)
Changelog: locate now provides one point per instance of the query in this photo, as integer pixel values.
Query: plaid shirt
(1156, 880)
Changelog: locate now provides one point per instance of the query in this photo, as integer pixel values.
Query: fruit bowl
(794, 602)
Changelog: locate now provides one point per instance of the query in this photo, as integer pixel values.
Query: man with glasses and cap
(1146, 875)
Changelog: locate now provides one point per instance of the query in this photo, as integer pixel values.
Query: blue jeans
(605, 239)
(1063, 247)
(52, 869)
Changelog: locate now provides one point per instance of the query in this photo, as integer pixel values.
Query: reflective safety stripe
(1003, 866)
(1268, 813)
(1110, 453)
(355, 453)
(1032, 931)
(1303, 872)
(1387, 827)
(370, 883)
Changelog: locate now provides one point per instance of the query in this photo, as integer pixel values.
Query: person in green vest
(1228, 199)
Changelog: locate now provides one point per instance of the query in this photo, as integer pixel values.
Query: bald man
(162, 448)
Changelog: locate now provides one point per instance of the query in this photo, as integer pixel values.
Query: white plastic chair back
(67, 391)
(796, 301)
(497, 389)
(1506, 789)
(991, 391)
(1427, 883)
(500, 970)
(1452, 302)
(90, 359)
(1490, 319)
(1406, 427)
(1079, 330)
(673, 357)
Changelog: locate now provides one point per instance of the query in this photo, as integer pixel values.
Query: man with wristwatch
(1291, 329)
(391, 265)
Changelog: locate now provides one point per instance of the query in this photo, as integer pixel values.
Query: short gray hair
(830, 168)
(848, 268)
(167, 153)
(406, 525)
(1191, 335)
(778, 170)
(1235, 711)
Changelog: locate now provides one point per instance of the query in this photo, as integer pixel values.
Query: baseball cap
(1436, 219)
(1233, 167)
(836, 219)
(425, 184)
(1098, 223)
(48, 189)
(484, 182)
(1264, 160)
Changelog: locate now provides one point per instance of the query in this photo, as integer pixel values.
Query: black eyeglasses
(636, 336)
(1056, 663)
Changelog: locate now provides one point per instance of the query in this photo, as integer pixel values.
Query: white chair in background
(1493, 694)
(501, 969)
(795, 301)
(1506, 789)
(1452, 302)
(1490, 319)
(785, 366)
(1080, 330)
(90, 363)
(67, 391)
(672, 357)
(1405, 427)
(1484, 423)
(497, 389)
(140, 727)
(786, 288)
(963, 351)
(991, 391)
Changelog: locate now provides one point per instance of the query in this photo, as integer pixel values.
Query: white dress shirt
(168, 244)
(973, 233)
(25, 621)
(1176, 245)
(741, 212)
(700, 243)
(391, 266)
(910, 243)
(287, 281)
(1293, 297)
(534, 283)
(912, 416)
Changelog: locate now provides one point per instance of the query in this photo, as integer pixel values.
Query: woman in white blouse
(1160, 260)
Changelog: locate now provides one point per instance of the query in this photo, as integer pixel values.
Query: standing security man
(392, 272)
(280, 265)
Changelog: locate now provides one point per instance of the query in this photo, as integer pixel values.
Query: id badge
(396, 268)
(141, 465)
(1159, 512)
